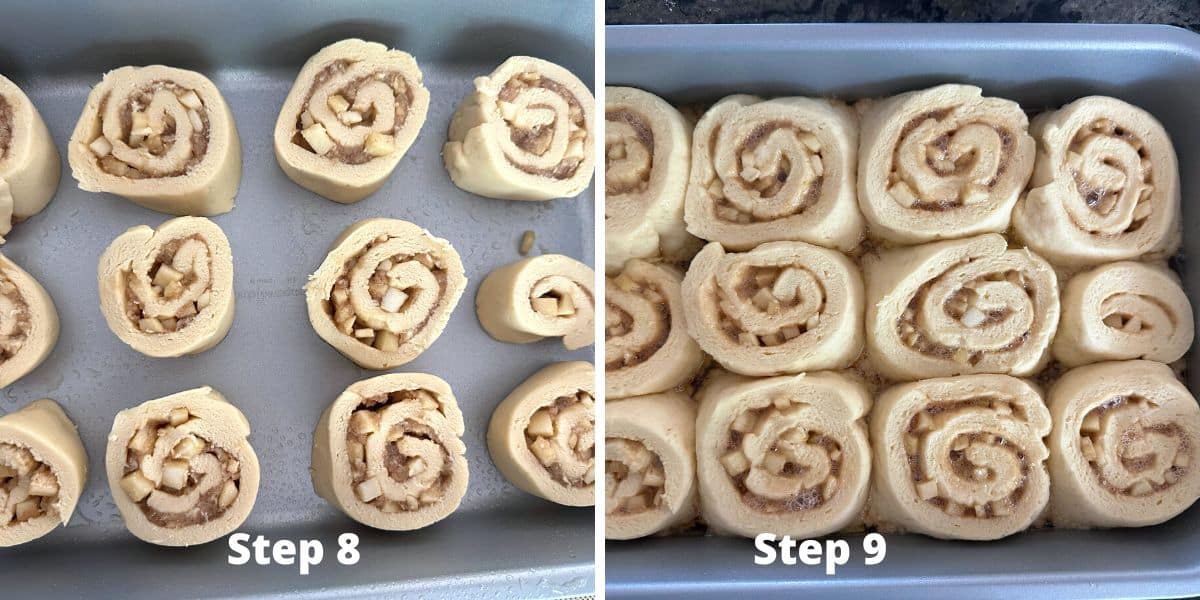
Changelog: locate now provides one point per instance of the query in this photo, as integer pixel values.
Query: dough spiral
(542, 296)
(180, 468)
(168, 291)
(942, 163)
(542, 437)
(1106, 186)
(1123, 310)
(29, 163)
(388, 452)
(649, 465)
(28, 323)
(648, 145)
(774, 170)
(525, 133)
(646, 344)
(784, 307)
(352, 113)
(961, 457)
(1123, 445)
(788, 455)
(384, 292)
(161, 137)
(43, 470)
(960, 306)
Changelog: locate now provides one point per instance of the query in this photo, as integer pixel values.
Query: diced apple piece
(380, 144)
(28, 509)
(735, 463)
(151, 325)
(545, 305)
(416, 466)
(566, 306)
(43, 483)
(364, 333)
(386, 341)
(204, 300)
(166, 275)
(142, 442)
(540, 424)
(101, 146)
(178, 416)
(136, 486)
(365, 421)
(350, 117)
(338, 103)
(654, 477)
(20, 459)
(392, 300)
(191, 100)
(544, 451)
(188, 447)
(229, 493)
(318, 139)
(175, 474)
(140, 124)
(368, 490)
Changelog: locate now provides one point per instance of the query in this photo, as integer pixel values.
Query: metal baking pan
(272, 365)
(1040, 66)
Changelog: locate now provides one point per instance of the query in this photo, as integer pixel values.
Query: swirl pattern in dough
(1106, 186)
(784, 307)
(960, 306)
(961, 457)
(942, 163)
(774, 170)
(43, 470)
(28, 323)
(1123, 445)
(534, 298)
(29, 163)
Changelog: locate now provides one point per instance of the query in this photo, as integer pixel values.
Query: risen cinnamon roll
(942, 163)
(648, 147)
(180, 468)
(161, 137)
(1106, 186)
(352, 113)
(646, 343)
(43, 470)
(649, 465)
(29, 163)
(1121, 452)
(168, 291)
(542, 436)
(784, 307)
(788, 455)
(525, 133)
(774, 170)
(385, 292)
(388, 452)
(539, 297)
(958, 307)
(1124, 310)
(28, 323)
(960, 457)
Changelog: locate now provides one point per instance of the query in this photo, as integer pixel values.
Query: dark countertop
(1185, 13)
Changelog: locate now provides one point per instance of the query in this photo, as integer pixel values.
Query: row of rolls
(918, 314)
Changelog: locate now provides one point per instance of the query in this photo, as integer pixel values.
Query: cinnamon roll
(646, 343)
(960, 306)
(542, 436)
(788, 455)
(775, 170)
(1125, 435)
(180, 468)
(649, 465)
(28, 323)
(29, 163)
(1106, 186)
(942, 163)
(539, 297)
(161, 137)
(43, 470)
(960, 457)
(385, 292)
(784, 307)
(388, 452)
(525, 133)
(168, 291)
(352, 113)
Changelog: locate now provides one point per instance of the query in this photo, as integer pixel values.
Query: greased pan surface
(1040, 66)
(272, 365)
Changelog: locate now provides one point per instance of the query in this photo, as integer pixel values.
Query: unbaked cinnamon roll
(784, 307)
(168, 291)
(788, 455)
(29, 163)
(384, 293)
(28, 323)
(646, 343)
(161, 137)
(648, 146)
(942, 163)
(180, 468)
(1121, 311)
(43, 470)
(525, 133)
(388, 452)
(959, 307)
(542, 436)
(1121, 452)
(539, 297)
(960, 457)
(774, 170)
(1106, 186)
(649, 465)
(352, 113)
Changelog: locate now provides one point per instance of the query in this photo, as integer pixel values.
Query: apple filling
(351, 115)
(15, 319)
(164, 133)
(770, 305)
(176, 289)
(561, 437)
(534, 106)
(1128, 456)
(634, 479)
(28, 487)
